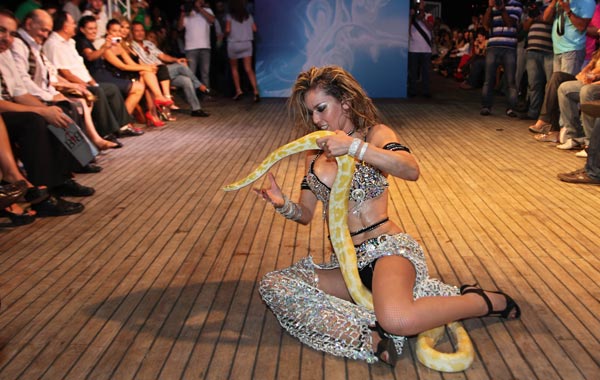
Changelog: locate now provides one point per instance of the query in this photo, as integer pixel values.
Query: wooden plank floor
(157, 279)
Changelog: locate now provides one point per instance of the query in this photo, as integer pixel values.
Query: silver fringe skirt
(330, 324)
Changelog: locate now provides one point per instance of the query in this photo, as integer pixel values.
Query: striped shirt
(539, 37)
(502, 35)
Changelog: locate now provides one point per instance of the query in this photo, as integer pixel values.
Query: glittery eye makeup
(319, 108)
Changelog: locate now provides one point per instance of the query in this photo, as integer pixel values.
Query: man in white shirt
(109, 110)
(181, 76)
(197, 22)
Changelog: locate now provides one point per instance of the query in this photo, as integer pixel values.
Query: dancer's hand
(271, 193)
(335, 145)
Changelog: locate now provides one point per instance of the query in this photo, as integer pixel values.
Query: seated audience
(181, 75)
(38, 74)
(102, 71)
(45, 159)
(113, 63)
(452, 59)
(547, 126)
(474, 69)
(109, 113)
(578, 128)
(162, 74)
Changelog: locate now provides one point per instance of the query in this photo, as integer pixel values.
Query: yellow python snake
(346, 255)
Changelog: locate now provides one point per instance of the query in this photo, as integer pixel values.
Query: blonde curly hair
(341, 85)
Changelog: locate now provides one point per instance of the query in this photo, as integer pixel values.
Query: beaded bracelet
(354, 147)
(362, 152)
(290, 210)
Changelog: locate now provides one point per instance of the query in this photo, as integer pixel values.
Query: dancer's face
(327, 113)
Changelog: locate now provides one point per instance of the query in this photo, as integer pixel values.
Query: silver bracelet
(290, 210)
(354, 147)
(362, 152)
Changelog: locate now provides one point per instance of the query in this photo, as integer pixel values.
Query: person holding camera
(501, 19)
(196, 18)
(570, 20)
(97, 9)
(419, 50)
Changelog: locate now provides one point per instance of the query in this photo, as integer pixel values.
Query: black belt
(369, 228)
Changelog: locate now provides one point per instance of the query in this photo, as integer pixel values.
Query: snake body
(345, 253)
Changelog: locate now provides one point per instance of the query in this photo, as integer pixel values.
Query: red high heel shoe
(153, 121)
(161, 103)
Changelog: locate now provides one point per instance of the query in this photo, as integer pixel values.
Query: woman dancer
(311, 301)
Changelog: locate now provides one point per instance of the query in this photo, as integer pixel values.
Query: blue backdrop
(369, 38)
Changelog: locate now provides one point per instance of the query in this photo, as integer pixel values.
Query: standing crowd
(542, 55)
(74, 67)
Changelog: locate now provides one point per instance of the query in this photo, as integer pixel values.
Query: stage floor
(157, 278)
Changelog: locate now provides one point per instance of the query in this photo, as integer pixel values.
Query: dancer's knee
(398, 322)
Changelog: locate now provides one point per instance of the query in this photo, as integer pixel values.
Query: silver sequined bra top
(367, 183)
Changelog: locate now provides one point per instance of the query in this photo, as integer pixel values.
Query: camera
(116, 40)
(533, 11)
(534, 8)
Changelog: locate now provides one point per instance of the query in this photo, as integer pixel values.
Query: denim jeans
(495, 57)
(570, 95)
(183, 78)
(569, 62)
(176, 69)
(592, 165)
(539, 70)
(419, 64)
(200, 58)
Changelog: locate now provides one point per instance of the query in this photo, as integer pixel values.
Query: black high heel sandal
(18, 219)
(504, 313)
(385, 345)
(238, 96)
(31, 195)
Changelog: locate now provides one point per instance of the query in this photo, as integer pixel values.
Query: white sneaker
(582, 153)
(569, 144)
